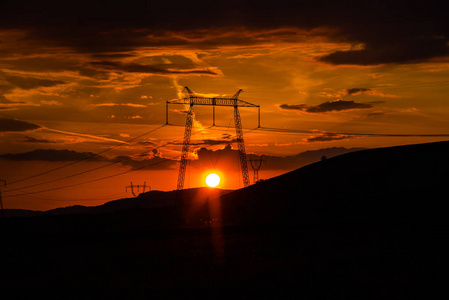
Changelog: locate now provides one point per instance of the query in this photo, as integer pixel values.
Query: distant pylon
(256, 167)
(1, 201)
(144, 186)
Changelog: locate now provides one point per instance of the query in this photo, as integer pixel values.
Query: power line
(70, 176)
(283, 130)
(90, 181)
(85, 158)
(299, 131)
(98, 179)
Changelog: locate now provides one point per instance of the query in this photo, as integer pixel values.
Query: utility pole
(193, 99)
(1, 201)
(256, 167)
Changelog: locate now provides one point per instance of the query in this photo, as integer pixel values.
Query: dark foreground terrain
(366, 225)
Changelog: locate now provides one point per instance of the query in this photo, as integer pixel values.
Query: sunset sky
(80, 78)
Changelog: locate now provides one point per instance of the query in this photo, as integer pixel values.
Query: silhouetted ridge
(395, 183)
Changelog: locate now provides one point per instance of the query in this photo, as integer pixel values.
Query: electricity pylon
(192, 100)
(256, 167)
(137, 186)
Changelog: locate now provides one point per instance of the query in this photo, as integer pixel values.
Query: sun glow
(212, 180)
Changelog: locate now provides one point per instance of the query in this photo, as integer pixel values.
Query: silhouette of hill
(143, 202)
(370, 224)
(396, 183)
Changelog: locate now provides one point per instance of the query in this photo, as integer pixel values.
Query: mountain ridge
(372, 173)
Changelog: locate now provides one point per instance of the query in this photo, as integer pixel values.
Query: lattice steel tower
(192, 100)
(256, 167)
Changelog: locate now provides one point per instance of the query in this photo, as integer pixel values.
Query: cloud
(208, 142)
(16, 125)
(155, 162)
(390, 31)
(161, 69)
(329, 106)
(118, 104)
(28, 83)
(30, 139)
(5, 100)
(401, 51)
(375, 114)
(146, 143)
(327, 137)
(356, 91)
(51, 155)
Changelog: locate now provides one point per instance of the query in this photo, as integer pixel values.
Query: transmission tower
(192, 100)
(256, 167)
(131, 186)
(1, 201)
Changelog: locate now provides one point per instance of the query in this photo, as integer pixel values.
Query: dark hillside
(397, 184)
(365, 225)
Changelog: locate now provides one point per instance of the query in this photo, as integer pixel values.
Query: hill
(364, 225)
(404, 183)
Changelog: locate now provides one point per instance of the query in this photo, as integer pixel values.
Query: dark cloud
(329, 106)
(327, 137)
(390, 31)
(381, 53)
(146, 143)
(51, 155)
(152, 69)
(30, 139)
(208, 142)
(93, 73)
(355, 91)
(374, 114)
(382, 32)
(44, 63)
(28, 83)
(5, 100)
(154, 163)
(294, 106)
(112, 55)
(16, 125)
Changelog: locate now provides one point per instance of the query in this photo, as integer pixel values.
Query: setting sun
(212, 180)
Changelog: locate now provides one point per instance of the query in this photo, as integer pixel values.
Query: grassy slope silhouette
(370, 224)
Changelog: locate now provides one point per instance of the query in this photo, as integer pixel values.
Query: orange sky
(88, 81)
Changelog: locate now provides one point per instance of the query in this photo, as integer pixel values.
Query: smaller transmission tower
(1, 201)
(144, 186)
(256, 167)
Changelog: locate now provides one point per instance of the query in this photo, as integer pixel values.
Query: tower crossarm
(217, 101)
